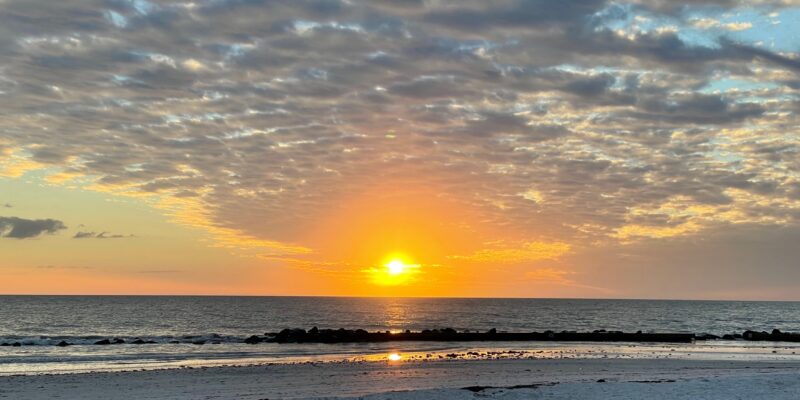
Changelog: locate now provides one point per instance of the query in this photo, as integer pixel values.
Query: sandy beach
(452, 379)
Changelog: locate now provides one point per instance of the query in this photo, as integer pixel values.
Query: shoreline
(105, 359)
(403, 379)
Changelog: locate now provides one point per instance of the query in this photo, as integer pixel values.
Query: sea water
(207, 330)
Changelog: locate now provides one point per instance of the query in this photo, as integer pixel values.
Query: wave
(55, 340)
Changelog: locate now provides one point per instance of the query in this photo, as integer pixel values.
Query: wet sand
(440, 378)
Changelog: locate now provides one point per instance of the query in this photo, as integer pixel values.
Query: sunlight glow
(396, 267)
(394, 357)
(396, 270)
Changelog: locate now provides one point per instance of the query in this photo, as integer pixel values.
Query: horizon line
(393, 297)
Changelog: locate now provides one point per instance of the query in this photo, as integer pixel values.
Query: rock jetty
(316, 335)
(775, 336)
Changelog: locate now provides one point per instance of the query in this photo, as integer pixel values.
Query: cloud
(8, 205)
(708, 23)
(99, 235)
(20, 228)
(252, 120)
(521, 253)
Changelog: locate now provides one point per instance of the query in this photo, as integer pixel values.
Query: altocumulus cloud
(627, 120)
(21, 228)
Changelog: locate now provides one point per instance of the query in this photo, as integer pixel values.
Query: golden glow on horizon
(394, 357)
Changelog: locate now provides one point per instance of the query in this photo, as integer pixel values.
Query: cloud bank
(585, 122)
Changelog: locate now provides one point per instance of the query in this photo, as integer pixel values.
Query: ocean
(207, 330)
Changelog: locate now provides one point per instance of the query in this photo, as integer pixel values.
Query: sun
(396, 267)
(395, 270)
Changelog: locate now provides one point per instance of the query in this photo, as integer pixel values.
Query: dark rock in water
(199, 342)
(450, 334)
(707, 336)
(174, 342)
(601, 381)
(16, 344)
(63, 344)
(216, 336)
(118, 341)
(728, 337)
(138, 341)
(103, 342)
(295, 335)
(4, 344)
(253, 340)
(314, 330)
(775, 336)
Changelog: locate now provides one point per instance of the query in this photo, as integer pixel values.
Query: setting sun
(395, 271)
(396, 267)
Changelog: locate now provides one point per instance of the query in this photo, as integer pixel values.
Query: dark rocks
(253, 340)
(4, 344)
(341, 335)
(63, 344)
(103, 342)
(118, 341)
(16, 344)
(295, 335)
(775, 336)
(449, 334)
(140, 341)
(707, 336)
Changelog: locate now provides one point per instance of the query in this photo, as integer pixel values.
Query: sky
(587, 148)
